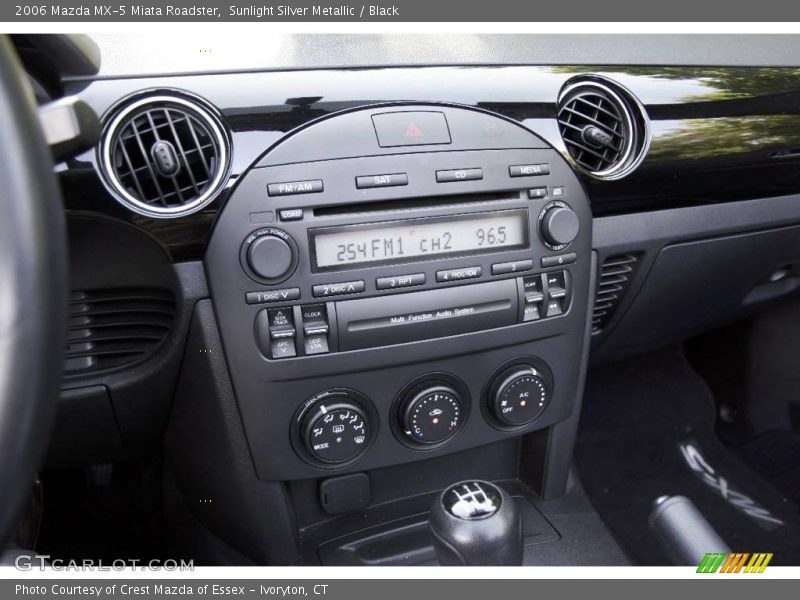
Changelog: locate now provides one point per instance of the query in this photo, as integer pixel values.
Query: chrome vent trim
(192, 137)
(605, 130)
(615, 276)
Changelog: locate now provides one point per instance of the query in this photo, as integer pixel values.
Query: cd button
(458, 175)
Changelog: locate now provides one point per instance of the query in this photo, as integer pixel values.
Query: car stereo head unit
(355, 257)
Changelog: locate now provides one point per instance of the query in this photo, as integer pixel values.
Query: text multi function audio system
(397, 282)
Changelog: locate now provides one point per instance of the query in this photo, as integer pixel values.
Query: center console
(399, 283)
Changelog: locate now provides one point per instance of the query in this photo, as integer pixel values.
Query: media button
(378, 181)
(458, 274)
(338, 289)
(400, 281)
(529, 170)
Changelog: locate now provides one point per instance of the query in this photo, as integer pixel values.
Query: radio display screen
(402, 241)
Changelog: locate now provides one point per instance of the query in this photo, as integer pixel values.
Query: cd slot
(373, 322)
(411, 204)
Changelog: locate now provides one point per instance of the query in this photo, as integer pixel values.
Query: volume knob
(272, 256)
(559, 226)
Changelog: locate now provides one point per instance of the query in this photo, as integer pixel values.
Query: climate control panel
(335, 427)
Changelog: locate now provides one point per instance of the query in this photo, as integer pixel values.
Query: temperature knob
(336, 431)
(432, 415)
(519, 395)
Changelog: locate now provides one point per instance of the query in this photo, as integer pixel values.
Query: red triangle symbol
(413, 131)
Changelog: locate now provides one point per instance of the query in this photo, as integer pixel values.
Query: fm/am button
(290, 188)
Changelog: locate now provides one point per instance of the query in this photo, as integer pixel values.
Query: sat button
(378, 181)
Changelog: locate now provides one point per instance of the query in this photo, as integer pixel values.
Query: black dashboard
(376, 267)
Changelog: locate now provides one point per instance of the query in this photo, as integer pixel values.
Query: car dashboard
(327, 291)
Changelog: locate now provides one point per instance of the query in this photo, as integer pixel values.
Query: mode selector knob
(335, 431)
(559, 225)
(270, 255)
(519, 395)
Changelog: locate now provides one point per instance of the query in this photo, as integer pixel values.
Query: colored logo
(734, 562)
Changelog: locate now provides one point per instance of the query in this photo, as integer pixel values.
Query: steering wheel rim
(33, 289)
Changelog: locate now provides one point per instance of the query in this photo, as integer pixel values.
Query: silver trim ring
(115, 187)
(627, 163)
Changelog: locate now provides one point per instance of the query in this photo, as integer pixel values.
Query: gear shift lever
(476, 523)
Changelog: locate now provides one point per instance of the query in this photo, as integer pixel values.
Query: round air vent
(605, 129)
(164, 155)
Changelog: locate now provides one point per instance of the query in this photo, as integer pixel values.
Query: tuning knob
(270, 255)
(519, 395)
(559, 225)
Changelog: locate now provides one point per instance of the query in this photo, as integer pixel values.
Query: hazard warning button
(411, 128)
